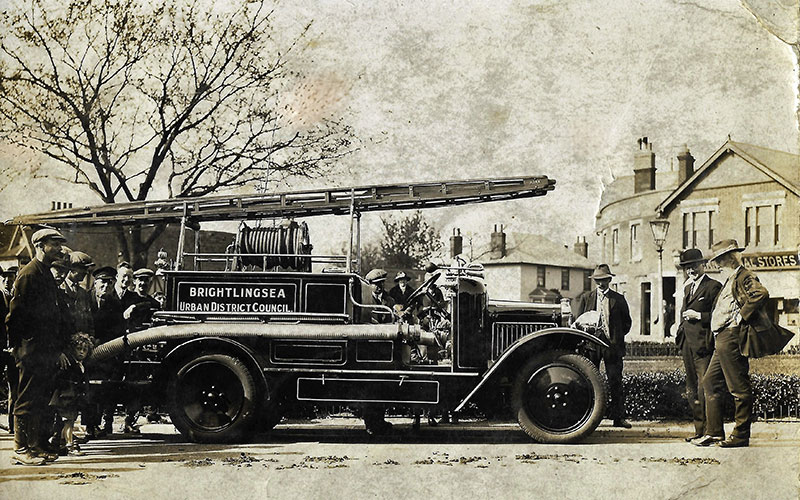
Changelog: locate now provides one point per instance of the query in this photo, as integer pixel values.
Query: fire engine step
(359, 390)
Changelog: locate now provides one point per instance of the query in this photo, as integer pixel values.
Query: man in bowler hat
(615, 320)
(694, 337)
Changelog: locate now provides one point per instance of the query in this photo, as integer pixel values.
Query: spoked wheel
(559, 397)
(213, 399)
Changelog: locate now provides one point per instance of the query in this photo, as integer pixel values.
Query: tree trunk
(134, 243)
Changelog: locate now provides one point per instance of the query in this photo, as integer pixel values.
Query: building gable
(734, 163)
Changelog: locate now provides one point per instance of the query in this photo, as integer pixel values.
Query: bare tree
(126, 95)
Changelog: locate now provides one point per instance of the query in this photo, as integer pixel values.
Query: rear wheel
(213, 399)
(559, 397)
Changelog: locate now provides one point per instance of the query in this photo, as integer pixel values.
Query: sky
(466, 89)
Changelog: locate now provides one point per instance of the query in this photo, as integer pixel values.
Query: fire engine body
(234, 349)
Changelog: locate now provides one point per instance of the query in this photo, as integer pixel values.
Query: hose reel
(287, 238)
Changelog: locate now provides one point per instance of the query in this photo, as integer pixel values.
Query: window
(762, 218)
(711, 223)
(587, 281)
(603, 248)
(540, 273)
(698, 223)
(748, 224)
(685, 240)
(565, 279)
(615, 245)
(760, 212)
(636, 247)
(700, 228)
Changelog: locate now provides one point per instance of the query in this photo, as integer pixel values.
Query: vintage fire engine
(234, 349)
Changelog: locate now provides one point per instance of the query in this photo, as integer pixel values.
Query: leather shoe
(692, 438)
(25, 457)
(706, 440)
(622, 423)
(734, 442)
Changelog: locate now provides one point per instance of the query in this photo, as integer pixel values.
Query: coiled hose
(289, 239)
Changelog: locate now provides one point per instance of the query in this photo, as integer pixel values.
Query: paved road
(333, 458)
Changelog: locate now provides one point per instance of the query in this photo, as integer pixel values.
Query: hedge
(661, 395)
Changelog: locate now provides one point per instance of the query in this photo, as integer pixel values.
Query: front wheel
(213, 399)
(559, 397)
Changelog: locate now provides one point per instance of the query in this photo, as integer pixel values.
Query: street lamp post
(660, 228)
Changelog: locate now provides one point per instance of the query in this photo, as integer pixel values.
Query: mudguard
(516, 346)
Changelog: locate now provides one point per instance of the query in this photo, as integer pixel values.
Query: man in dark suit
(615, 320)
(33, 329)
(694, 337)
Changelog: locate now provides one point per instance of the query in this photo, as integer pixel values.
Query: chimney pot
(685, 165)
(581, 247)
(497, 246)
(644, 167)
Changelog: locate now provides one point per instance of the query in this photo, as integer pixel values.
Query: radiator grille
(505, 333)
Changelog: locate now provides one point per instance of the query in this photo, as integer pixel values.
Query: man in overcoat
(615, 320)
(694, 337)
(741, 299)
(33, 329)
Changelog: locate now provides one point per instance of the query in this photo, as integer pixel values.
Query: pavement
(334, 458)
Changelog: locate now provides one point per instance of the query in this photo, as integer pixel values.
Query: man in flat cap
(373, 416)
(741, 300)
(694, 337)
(615, 320)
(108, 324)
(379, 296)
(79, 300)
(138, 305)
(138, 308)
(33, 323)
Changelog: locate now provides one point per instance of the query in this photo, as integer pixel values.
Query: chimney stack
(581, 247)
(498, 243)
(456, 243)
(685, 165)
(644, 167)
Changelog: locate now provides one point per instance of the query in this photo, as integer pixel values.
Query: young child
(70, 390)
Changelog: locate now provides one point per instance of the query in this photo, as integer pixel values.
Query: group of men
(47, 304)
(714, 320)
(709, 336)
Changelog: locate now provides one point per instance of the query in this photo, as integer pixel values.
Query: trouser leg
(613, 362)
(735, 368)
(701, 366)
(714, 389)
(693, 395)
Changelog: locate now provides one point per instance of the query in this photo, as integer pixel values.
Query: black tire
(213, 399)
(559, 397)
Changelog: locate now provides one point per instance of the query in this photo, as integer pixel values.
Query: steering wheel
(423, 290)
